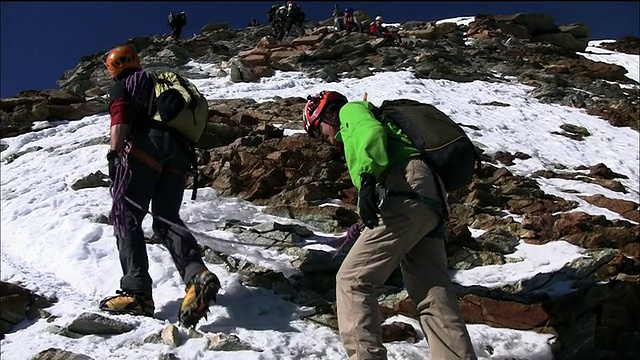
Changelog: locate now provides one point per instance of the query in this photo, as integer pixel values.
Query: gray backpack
(444, 144)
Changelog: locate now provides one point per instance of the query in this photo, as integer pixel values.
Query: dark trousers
(278, 27)
(163, 185)
(296, 20)
(176, 31)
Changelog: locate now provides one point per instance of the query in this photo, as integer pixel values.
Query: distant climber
(272, 11)
(295, 16)
(253, 22)
(379, 30)
(176, 23)
(349, 22)
(277, 17)
(337, 16)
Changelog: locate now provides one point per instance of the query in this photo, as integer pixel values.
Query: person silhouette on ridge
(176, 23)
(295, 16)
(278, 17)
(349, 22)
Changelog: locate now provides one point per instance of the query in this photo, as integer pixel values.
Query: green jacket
(366, 145)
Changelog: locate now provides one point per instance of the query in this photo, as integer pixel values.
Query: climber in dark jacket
(338, 15)
(278, 20)
(148, 164)
(295, 16)
(176, 23)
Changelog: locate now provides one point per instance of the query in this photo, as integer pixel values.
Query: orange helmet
(120, 58)
(312, 114)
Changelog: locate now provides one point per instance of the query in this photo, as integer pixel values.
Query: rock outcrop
(18, 303)
(245, 154)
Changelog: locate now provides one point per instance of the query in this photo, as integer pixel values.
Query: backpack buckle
(383, 193)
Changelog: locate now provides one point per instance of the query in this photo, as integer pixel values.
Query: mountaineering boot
(200, 294)
(129, 302)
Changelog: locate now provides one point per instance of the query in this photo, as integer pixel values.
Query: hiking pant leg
(370, 262)
(288, 25)
(131, 245)
(181, 244)
(427, 281)
(167, 200)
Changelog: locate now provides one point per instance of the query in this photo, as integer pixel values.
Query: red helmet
(312, 114)
(120, 58)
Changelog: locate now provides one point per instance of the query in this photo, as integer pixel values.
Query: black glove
(112, 159)
(368, 200)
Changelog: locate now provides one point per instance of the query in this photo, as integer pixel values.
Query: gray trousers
(404, 237)
(158, 166)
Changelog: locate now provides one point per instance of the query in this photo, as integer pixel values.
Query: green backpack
(181, 107)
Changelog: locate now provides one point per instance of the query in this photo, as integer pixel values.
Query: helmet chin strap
(332, 119)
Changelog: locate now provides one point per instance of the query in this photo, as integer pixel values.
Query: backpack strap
(478, 159)
(188, 145)
(443, 209)
(441, 194)
(194, 168)
(153, 78)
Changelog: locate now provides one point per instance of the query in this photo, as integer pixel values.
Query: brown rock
(505, 158)
(283, 54)
(307, 40)
(580, 229)
(626, 208)
(79, 110)
(502, 313)
(604, 172)
(577, 30)
(267, 42)
(13, 308)
(63, 97)
(627, 45)
(255, 51)
(399, 331)
(255, 59)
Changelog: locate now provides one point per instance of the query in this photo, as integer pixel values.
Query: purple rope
(352, 235)
(117, 189)
(117, 215)
(174, 225)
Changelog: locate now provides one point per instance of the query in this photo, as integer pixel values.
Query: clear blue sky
(42, 39)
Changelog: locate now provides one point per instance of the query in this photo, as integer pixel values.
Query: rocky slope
(244, 154)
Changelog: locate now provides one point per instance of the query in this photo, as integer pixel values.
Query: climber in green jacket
(409, 232)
